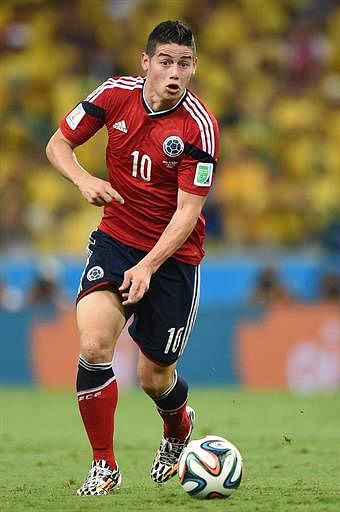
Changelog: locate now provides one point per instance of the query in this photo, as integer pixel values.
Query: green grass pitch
(290, 445)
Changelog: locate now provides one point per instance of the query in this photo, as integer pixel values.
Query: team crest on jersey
(173, 146)
(95, 273)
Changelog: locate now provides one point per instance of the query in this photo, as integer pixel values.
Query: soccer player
(143, 260)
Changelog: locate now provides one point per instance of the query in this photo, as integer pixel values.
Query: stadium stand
(269, 70)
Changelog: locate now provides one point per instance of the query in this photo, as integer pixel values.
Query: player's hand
(136, 283)
(98, 192)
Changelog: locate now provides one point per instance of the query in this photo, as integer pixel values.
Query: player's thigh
(107, 261)
(165, 317)
(100, 318)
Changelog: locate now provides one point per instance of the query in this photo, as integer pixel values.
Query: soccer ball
(210, 467)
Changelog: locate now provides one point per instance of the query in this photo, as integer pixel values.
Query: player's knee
(154, 383)
(152, 387)
(96, 347)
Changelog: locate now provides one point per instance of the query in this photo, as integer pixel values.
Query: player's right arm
(78, 126)
(60, 152)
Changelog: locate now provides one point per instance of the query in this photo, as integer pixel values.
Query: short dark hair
(170, 32)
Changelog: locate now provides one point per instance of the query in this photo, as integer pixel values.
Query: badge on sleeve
(74, 117)
(204, 173)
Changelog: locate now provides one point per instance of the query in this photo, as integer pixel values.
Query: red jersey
(149, 155)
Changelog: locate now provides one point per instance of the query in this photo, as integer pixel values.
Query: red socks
(97, 397)
(171, 405)
(176, 424)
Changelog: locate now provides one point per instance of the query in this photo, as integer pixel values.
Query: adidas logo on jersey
(120, 126)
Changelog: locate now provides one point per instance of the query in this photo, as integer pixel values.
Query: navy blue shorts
(164, 317)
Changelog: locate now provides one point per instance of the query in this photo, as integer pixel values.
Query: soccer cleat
(165, 464)
(100, 480)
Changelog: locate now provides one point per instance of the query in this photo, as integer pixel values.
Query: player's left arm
(137, 279)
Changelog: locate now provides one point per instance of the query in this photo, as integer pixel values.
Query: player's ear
(145, 61)
(194, 65)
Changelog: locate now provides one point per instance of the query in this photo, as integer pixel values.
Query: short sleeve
(86, 118)
(197, 168)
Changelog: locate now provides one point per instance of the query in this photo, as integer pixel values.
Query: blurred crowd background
(270, 72)
(268, 69)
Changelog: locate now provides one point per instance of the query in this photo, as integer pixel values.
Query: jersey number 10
(141, 166)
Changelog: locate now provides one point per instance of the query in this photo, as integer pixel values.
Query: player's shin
(171, 406)
(97, 398)
(178, 423)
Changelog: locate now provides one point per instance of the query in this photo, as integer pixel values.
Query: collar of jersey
(152, 113)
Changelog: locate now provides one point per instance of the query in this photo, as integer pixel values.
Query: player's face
(168, 73)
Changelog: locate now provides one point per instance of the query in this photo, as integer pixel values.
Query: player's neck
(156, 103)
